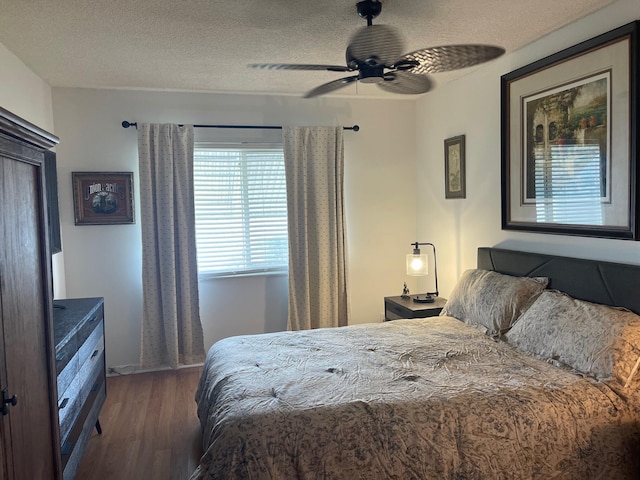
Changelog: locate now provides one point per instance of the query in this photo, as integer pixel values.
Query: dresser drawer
(74, 446)
(71, 401)
(65, 355)
(394, 312)
(68, 374)
(89, 325)
(66, 377)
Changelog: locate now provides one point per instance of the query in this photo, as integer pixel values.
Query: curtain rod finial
(126, 124)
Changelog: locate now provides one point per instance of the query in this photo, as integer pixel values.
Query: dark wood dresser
(80, 367)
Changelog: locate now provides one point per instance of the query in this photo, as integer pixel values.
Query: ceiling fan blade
(451, 57)
(330, 87)
(299, 66)
(376, 44)
(406, 82)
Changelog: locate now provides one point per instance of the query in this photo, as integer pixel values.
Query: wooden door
(5, 432)
(30, 455)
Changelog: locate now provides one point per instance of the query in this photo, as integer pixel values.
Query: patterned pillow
(600, 341)
(492, 301)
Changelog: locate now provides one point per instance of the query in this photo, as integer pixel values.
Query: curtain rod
(126, 124)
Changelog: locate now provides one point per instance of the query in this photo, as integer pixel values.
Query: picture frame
(103, 198)
(454, 167)
(569, 148)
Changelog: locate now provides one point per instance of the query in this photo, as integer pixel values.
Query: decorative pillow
(492, 301)
(597, 340)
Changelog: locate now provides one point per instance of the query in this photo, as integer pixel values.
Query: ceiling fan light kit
(375, 53)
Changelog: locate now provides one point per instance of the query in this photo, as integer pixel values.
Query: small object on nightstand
(405, 291)
(400, 307)
(425, 298)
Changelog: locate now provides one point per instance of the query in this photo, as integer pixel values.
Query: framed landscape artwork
(103, 198)
(569, 148)
(454, 167)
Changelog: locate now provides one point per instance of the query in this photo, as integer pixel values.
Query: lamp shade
(417, 264)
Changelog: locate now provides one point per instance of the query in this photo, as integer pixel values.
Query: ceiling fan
(375, 52)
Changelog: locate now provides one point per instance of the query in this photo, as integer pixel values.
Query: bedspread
(409, 399)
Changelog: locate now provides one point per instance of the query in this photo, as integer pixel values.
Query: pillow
(600, 341)
(492, 301)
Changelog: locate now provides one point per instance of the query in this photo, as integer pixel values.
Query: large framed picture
(454, 168)
(569, 140)
(103, 198)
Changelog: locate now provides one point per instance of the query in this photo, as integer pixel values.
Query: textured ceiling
(205, 45)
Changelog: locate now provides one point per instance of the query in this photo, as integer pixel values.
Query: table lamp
(418, 265)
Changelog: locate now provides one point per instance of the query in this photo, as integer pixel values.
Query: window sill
(215, 276)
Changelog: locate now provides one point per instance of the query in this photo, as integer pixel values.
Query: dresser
(29, 442)
(80, 367)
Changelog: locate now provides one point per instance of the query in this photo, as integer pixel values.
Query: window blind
(240, 210)
(570, 184)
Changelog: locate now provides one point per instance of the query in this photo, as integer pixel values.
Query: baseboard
(135, 369)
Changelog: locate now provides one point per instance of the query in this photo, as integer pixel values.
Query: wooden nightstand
(398, 307)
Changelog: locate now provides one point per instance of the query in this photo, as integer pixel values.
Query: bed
(528, 373)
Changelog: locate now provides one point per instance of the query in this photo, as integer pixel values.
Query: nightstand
(398, 307)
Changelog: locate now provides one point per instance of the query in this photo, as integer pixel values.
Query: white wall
(105, 260)
(471, 106)
(23, 93)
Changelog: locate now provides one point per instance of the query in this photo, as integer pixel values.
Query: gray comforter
(410, 399)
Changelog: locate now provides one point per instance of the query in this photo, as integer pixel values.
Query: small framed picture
(103, 198)
(454, 171)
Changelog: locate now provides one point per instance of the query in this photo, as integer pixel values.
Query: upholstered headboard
(592, 280)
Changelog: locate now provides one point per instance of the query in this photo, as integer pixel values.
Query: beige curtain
(314, 163)
(171, 328)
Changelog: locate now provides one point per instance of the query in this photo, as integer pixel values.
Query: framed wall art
(454, 168)
(103, 198)
(569, 140)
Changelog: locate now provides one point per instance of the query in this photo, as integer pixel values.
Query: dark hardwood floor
(150, 429)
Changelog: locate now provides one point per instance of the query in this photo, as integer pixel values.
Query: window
(569, 184)
(241, 210)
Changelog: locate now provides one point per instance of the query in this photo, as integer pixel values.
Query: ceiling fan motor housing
(369, 9)
(371, 74)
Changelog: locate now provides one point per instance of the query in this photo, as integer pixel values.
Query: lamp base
(426, 298)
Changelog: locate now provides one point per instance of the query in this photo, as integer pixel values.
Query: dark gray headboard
(592, 280)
